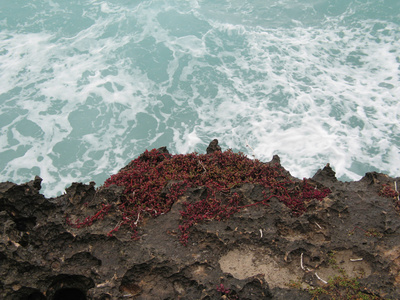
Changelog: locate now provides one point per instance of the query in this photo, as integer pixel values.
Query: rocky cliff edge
(346, 244)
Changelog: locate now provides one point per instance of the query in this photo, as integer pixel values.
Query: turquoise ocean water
(87, 85)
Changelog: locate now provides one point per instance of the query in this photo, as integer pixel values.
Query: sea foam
(87, 87)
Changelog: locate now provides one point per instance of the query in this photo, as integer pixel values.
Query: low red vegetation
(154, 181)
(388, 192)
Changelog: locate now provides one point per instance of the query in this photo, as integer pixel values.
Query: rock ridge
(260, 252)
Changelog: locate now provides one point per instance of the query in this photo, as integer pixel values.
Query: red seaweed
(154, 181)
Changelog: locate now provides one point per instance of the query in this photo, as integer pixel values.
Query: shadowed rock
(213, 146)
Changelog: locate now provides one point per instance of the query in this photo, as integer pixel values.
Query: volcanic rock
(261, 252)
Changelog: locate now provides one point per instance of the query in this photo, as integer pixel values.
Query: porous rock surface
(255, 254)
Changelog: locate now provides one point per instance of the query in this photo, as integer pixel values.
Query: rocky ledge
(345, 245)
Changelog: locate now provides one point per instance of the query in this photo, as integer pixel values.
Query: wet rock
(79, 192)
(261, 252)
(213, 146)
(326, 175)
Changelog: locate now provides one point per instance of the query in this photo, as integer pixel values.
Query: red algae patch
(155, 180)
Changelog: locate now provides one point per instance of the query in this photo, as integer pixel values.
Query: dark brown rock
(326, 175)
(213, 146)
(256, 254)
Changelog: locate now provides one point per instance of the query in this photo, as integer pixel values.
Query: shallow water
(86, 86)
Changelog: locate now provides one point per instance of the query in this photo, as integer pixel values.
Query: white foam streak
(334, 84)
(99, 95)
(187, 141)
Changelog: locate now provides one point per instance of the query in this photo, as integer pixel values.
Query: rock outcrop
(260, 252)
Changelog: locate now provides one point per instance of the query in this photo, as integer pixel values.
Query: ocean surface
(86, 85)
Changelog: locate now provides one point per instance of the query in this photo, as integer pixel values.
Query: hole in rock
(69, 287)
(36, 296)
(25, 224)
(69, 294)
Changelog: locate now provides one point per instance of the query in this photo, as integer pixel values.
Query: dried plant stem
(247, 145)
(137, 220)
(316, 275)
(205, 170)
(356, 259)
(305, 269)
(301, 263)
